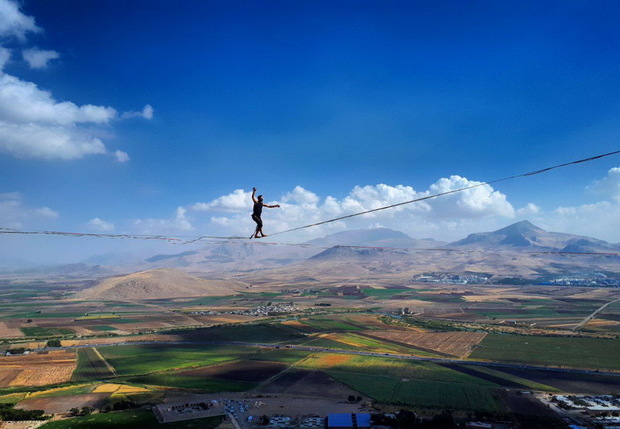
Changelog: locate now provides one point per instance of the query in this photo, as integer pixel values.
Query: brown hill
(160, 283)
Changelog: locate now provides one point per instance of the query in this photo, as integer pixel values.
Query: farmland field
(499, 378)
(250, 371)
(420, 392)
(205, 385)
(46, 332)
(177, 359)
(308, 383)
(92, 366)
(458, 344)
(103, 328)
(596, 353)
(146, 359)
(7, 331)
(387, 367)
(260, 333)
(37, 369)
(287, 356)
(330, 324)
(348, 341)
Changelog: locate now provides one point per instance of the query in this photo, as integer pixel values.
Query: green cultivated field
(349, 341)
(330, 324)
(146, 359)
(421, 392)
(576, 352)
(131, 419)
(288, 356)
(210, 385)
(46, 332)
(262, 333)
(91, 366)
(396, 381)
(515, 379)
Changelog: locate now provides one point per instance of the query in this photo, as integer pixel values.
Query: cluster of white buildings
(267, 310)
(590, 402)
(458, 279)
(603, 410)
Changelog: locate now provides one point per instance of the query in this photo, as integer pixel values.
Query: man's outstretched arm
(271, 207)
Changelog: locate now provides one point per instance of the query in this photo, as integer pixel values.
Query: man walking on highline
(257, 211)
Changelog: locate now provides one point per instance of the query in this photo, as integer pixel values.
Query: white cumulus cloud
(13, 23)
(47, 142)
(98, 224)
(24, 102)
(146, 113)
(529, 209)
(302, 197)
(234, 202)
(121, 156)
(610, 185)
(37, 58)
(33, 124)
(480, 200)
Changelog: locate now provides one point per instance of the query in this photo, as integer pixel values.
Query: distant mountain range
(382, 249)
(526, 235)
(376, 237)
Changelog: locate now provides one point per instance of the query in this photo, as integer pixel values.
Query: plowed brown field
(9, 332)
(458, 344)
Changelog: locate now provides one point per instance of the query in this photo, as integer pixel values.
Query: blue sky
(152, 117)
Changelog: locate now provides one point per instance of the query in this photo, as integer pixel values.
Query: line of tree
(7, 412)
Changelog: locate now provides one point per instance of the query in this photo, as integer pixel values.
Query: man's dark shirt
(258, 209)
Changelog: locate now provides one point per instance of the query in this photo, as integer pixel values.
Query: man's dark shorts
(259, 222)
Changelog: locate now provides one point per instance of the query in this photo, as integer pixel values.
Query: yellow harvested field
(7, 332)
(37, 369)
(602, 322)
(41, 376)
(458, 344)
(35, 345)
(119, 388)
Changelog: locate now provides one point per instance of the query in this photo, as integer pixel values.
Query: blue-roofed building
(348, 420)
